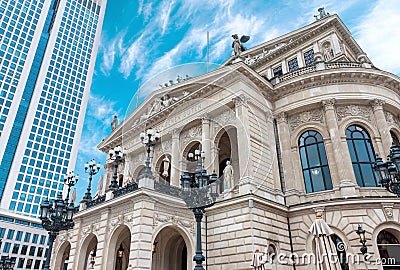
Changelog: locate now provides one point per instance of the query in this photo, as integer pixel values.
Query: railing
(342, 65)
(166, 188)
(296, 73)
(309, 69)
(125, 190)
(97, 201)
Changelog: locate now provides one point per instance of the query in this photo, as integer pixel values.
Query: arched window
(362, 155)
(388, 246)
(314, 162)
(395, 139)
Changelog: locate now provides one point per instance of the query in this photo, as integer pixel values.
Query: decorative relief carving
(353, 110)
(296, 120)
(190, 134)
(391, 119)
(225, 118)
(388, 210)
(90, 229)
(163, 218)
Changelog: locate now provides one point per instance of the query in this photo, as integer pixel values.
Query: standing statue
(237, 44)
(114, 123)
(228, 175)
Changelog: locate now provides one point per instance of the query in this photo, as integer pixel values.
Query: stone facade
(243, 113)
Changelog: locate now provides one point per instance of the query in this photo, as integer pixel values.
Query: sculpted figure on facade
(228, 175)
(114, 123)
(328, 51)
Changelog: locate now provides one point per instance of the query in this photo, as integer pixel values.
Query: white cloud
(165, 14)
(378, 35)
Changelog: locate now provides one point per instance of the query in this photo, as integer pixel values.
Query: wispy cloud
(378, 35)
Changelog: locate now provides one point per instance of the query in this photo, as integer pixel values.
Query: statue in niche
(228, 175)
(114, 123)
(328, 52)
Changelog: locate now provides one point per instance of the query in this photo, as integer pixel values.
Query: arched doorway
(171, 251)
(188, 160)
(389, 248)
(86, 251)
(119, 249)
(226, 142)
(61, 259)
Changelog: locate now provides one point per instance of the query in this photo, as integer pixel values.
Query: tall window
(395, 139)
(277, 71)
(362, 155)
(314, 162)
(309, 58)
(293, 64)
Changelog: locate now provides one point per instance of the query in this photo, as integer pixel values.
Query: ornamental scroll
(296, 120)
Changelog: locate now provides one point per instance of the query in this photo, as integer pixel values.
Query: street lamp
(116, 154)
(56, 216)
(361, 234)
(92, 169)
(7, 263)
(199, 192)
(152, 139)
(389, 171)
(71, 179)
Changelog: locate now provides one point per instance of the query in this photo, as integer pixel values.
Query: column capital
(377, 104)
(282, 117)
(329, 104)
(205, 118)
(240, 100)
(175, 133)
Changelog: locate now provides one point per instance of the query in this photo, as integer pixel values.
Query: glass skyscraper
(47, 55)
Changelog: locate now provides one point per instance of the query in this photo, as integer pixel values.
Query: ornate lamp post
(361, 234)
(56, 216)
(92, 169)
(70, 179)
(7, 263)
(116, 154)
(199, 191)
(389, 171)
(152, 139)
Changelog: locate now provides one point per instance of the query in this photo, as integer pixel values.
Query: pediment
(314, 36)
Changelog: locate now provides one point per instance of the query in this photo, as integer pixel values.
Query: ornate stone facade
(262, 124)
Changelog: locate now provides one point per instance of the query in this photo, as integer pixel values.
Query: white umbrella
(326, 255)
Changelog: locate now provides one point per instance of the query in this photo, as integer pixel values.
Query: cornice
(366, 76)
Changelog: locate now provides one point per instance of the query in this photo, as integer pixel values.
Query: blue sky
(142, 38)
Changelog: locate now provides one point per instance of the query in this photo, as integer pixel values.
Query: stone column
(175, 158)
(382, 125)
(215, 159)
(206, 141)
(243, 139)
(285, 146)
(346, 179)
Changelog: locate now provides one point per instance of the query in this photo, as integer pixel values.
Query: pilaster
(382, 125)
(345, 181)
(175, 157)
(206, 141)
